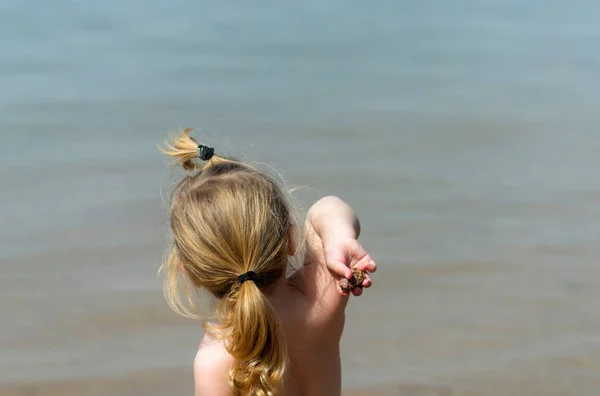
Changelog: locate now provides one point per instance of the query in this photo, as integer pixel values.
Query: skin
(310, 305)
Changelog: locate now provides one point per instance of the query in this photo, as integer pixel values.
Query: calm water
(465, 134)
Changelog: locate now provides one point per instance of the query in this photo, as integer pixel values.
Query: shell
(358, 276)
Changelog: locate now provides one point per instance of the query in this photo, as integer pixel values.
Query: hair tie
(250, 275)
(205, 153)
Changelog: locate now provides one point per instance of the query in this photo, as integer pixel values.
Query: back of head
(227, 219)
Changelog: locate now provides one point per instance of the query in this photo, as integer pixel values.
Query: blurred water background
(464, 133)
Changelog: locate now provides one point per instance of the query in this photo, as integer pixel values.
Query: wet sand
(177, 382)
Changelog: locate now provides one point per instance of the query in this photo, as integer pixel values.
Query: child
(232, 236)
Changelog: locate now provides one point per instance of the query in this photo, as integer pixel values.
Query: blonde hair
(228, 218)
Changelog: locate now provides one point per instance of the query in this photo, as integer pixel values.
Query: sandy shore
(179, 382)
(161, 383)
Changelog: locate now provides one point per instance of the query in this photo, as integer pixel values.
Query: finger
(344, 292)
(371, 266)
(357, 291)
(366, 264)
(340, 269)
(367, 282)
(356, 252)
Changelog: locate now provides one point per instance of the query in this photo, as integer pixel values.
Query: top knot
(205, 153)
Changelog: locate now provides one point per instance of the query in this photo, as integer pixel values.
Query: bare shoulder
(322, 308)
(211, 369)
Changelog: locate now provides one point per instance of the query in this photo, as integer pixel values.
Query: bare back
(309, 304)
(311, 309)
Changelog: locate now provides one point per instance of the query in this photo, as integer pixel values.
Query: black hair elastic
(250, 275)
(205, 153)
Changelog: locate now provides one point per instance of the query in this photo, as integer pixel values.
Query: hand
(342, 253)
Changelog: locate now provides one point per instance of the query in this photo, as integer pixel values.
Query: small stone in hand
(358, 276)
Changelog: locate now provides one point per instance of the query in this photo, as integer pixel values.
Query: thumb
(357, 254)
(339, 268)
(337, 261)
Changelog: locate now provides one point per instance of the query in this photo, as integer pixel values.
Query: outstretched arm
(332, 229)
(338, 227)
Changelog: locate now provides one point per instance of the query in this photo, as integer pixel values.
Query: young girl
(232, 236)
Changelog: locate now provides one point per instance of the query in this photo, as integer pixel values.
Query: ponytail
(184, 149)
(253, 335)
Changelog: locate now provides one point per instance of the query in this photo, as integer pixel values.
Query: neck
(278, 292)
